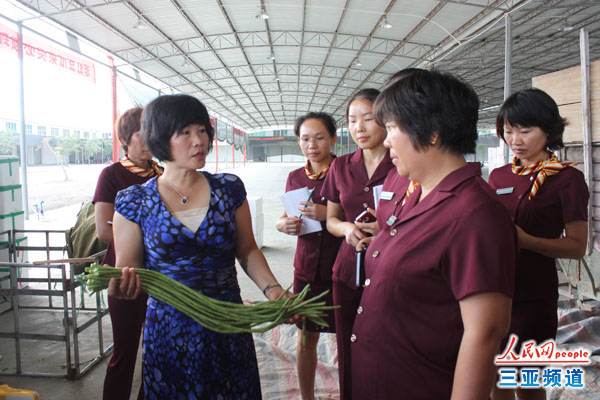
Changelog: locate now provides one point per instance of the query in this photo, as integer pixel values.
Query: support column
(586, 118)
(23, 141)
(116, 148)
(507, 71)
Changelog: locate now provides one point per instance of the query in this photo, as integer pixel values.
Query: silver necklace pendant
(184, 200)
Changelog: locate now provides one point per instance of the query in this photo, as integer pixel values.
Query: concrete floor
(46, 183)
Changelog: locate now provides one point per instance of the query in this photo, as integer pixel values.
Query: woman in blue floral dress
(189, 226)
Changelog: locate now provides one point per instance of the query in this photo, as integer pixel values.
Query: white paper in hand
(291, 203)
(377, 194)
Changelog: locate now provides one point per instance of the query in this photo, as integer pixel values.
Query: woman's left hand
(313, 211)
(274, 293)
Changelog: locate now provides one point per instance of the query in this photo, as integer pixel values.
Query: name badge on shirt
(505, 190)
(391, 220)
(386, 195)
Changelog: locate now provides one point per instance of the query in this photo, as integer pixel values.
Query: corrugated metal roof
(221, 50)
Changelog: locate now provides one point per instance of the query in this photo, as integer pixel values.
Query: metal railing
(59, 281)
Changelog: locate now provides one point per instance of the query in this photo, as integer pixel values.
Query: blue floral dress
(181, 358)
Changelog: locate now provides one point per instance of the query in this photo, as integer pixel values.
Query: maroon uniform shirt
(113, 178)
(315, 252)
(127, 316)
(457, 241)
(392, 193)
(561, 199)
(347, 184)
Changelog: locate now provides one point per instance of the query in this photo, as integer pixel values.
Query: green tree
(106, 149)
(68, 145)
(61, 147)
(8, 143)
(92, 147)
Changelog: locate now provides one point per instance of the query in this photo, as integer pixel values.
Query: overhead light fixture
(566, 27)
(263, 13)
(276, 79)
(357, 62)
(344, 84)
(271, 56)
(139, 24)
(185, 62)
(385, 24)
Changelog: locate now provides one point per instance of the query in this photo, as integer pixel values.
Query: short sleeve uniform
(347, 184)
(113, 178)
(181, 357)
(315, 252)
(455, 242)
(127, 316)
(561, 199)
(392, 193)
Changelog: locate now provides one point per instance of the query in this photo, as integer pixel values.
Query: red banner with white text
(44, 53)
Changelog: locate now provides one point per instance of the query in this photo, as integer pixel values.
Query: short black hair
(325, 118)
(367, 94)
(403, 73)
(533, 107)
(424, 103)
(168, 114)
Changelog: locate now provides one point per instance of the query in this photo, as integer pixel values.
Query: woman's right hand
(364, 243)
(353, 234)
(128, 288)
(372, 228)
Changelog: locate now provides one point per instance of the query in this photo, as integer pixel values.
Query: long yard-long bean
(217, 315)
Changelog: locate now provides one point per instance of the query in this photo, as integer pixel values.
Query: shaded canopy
(311, 55)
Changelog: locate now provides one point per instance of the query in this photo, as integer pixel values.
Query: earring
(433, 142)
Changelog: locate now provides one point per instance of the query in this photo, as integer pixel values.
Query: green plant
(92, 147)
(8, 142)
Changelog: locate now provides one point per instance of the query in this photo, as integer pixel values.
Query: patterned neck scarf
(411, 188)
(320, 175)
(154, 168)
(547, 167)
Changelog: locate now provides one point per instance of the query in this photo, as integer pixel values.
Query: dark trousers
(349, 300)
(127, 317)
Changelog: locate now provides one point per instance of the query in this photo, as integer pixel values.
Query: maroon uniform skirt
(317, 288)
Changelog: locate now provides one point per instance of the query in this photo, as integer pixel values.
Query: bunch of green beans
(217, 315)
